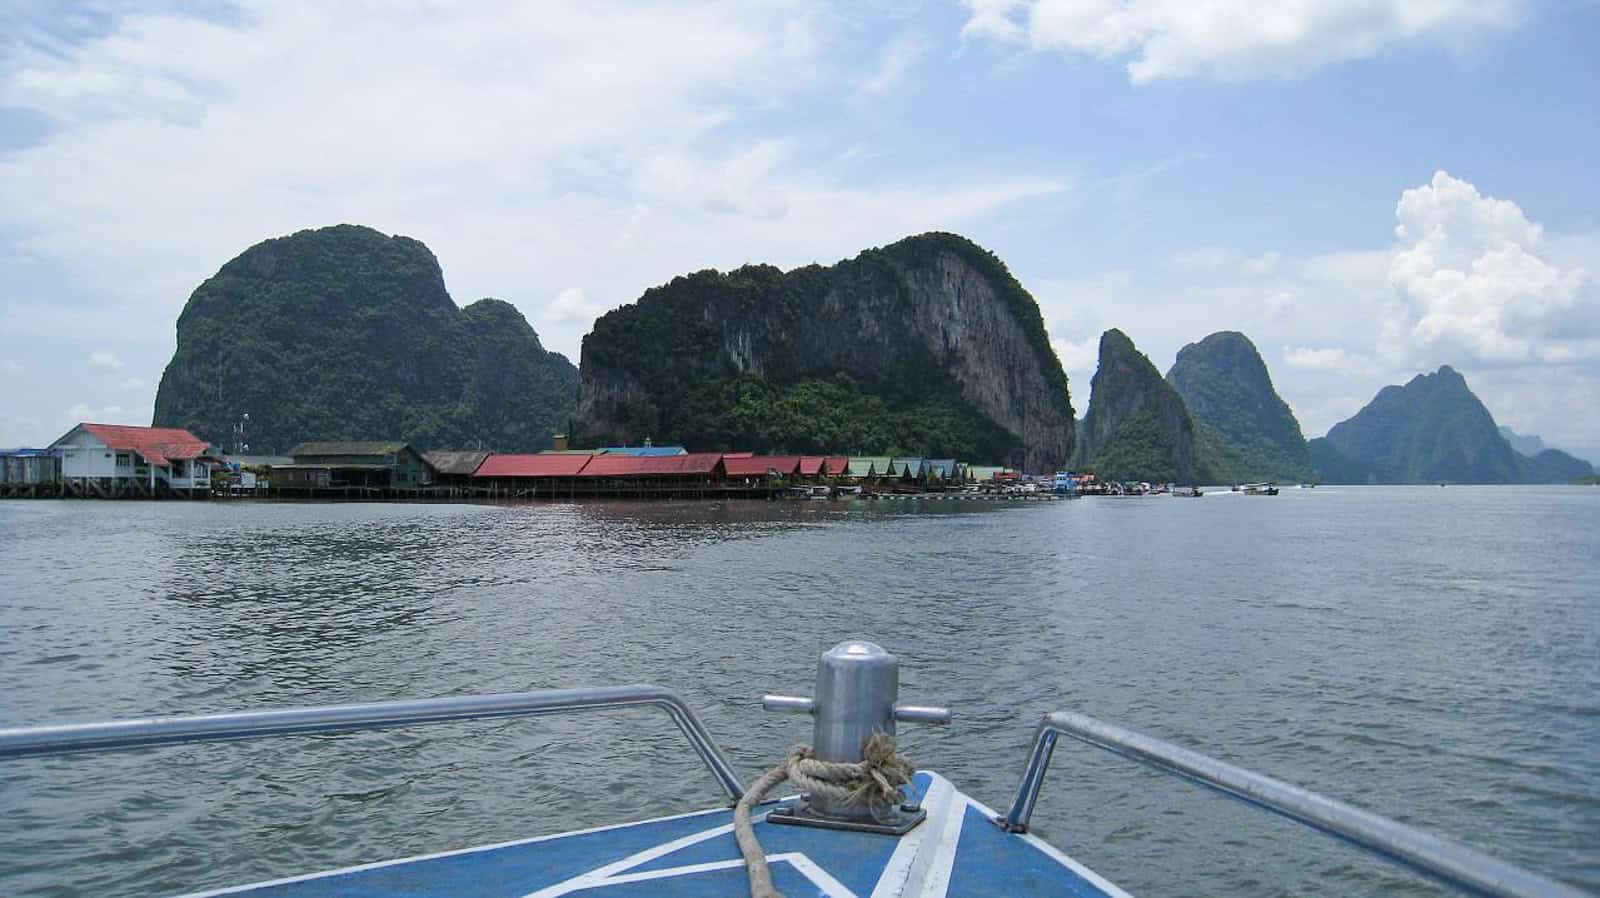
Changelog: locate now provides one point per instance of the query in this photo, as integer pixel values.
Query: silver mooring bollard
(858, 684)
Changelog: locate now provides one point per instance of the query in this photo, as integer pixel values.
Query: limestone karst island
(333, 363)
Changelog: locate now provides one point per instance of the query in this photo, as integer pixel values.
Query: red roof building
(158, 445)
(836, 465)
(762, 465)
(693, 464)
(498, 465)
(145, 456)
(811, 465)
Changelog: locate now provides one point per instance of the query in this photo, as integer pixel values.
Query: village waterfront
(1433, 654)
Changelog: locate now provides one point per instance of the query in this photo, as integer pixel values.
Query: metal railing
(1454, 865)
(61, 739)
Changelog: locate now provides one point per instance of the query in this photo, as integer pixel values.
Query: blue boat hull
(956, 852)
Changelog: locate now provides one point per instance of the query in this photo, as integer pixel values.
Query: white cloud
(104, 359)
(1203, 258)
(12, 365)
(1473, 283)
(1331, 358)
(179, 142)
(1266, 263)
(1217, 258)
(895, 59)
(107, 414)
(571, 305)
(1078, 359)
(741, 183)
(1229, 39)
(531, 146)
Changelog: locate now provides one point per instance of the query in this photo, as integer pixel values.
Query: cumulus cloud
(1232, 40)
(106, 360)
(1473, 283)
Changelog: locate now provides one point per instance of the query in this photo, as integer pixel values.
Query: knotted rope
(873, 782)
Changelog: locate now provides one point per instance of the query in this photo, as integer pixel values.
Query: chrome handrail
(1453, 864)
(61, 739)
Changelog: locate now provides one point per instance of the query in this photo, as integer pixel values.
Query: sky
(1367, 188)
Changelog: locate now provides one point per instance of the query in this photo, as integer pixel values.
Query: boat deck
(956, 852)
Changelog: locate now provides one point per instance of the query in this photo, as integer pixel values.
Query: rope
(873, 782)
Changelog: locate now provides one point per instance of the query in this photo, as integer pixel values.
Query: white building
(121, 458)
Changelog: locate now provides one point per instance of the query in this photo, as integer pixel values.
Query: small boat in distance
(1260, 489)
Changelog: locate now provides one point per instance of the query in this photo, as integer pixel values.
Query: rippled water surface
(1428, 654)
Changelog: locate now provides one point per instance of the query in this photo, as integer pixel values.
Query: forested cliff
(347, 333)
(927, 346)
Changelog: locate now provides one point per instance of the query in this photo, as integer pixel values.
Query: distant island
(927, 347)
(1433, 430)
(344, 333)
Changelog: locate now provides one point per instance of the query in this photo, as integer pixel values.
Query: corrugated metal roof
(836, 465)
(455, 461)
(158, 445)
(349, 447)
(689, 464)
(737, 454)
(811, 465)
(983, 472)
(258, 461)
(901, 466)
(869, 465)
(541, 465)
(644, 451)
(759, 465)
(22, 452)
(945, 468)
(342, 466)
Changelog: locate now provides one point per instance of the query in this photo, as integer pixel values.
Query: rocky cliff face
(927, 346)
(1246, 430)
(1432, 429)
(346, 333)
(1137, 427)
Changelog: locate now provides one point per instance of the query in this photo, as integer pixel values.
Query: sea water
(1429, 654)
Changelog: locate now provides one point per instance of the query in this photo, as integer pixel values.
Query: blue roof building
(644, 451)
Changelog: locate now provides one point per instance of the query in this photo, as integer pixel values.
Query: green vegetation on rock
(1333, 466)
(928, 345)
(817, 416)
(1554, 466)
(1137, 427)
(346, 333)
(1432, 430)
(1245, 431)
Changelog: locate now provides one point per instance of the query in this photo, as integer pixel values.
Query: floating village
(118, 461)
